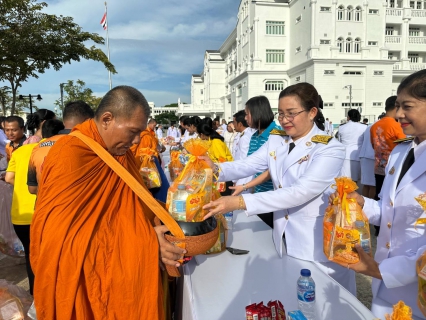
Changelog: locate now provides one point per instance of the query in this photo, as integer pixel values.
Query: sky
(155, 46)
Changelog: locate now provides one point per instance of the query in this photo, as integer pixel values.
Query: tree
(32, 41)
(172, 105)
(78, 91)
(166, 117)
(6, 102)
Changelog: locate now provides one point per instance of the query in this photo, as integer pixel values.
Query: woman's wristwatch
(245, 187)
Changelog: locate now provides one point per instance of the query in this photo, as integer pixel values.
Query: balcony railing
(417, 40)
(418, 13)
(397, 66)
(393, 39)
(417, 66)
(394, 12)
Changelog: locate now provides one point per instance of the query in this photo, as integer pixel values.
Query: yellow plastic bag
(148, 170)
(421, 264)
(345, 225)
(175, 166)
(192, 189)
(400, 312)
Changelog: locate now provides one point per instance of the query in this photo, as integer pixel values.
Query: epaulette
(242, 134)
(408, 139)
(278, 132)
(319, 138)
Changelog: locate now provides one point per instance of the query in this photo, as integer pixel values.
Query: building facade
(355, 52)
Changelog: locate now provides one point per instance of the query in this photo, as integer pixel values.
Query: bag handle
(137, 188)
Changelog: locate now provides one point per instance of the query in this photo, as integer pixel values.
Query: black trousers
(23, 233)
(379, 184)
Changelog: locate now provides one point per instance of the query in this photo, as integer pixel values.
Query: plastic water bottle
(179, 203)
(228, 217)
(364, 236)
(306, 294)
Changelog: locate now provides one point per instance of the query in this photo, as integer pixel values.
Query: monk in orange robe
(94, 250)
(147, 143)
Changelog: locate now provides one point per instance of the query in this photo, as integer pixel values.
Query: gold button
(286, 216)
(391, 203)
(387, 245)
(389, 225)
(279, 186)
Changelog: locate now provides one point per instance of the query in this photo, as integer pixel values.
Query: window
(358, 12)
(414, 57)
(274, 56)
(202, 91)
(349, 13)
(328, 104)
(412, 3)
(298, 19)
(372, 43)
(357, 45)
(392, 3)
(329, 72)
(298, 79)
(239, 91)
(390, 56)
(419, 5)
(340, 12)
(348, 46)
(353, 73)
(202, 101)
(298, 49)
(414, 32)
(389, 31)
(324, 41)
(340, 44)
(373, 11)
(377, 104)
(325, 9)
(378, 73)
(275, 27)
(353, 104)
(274, 85)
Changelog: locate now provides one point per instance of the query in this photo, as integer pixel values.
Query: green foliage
(78, 91)
(32, 41)
(6, 102)
(172, 105)
(166, 117)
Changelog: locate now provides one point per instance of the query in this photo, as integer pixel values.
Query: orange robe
(147, 144)
(94, 252)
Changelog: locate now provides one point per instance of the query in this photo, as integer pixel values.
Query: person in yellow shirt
(23, 201)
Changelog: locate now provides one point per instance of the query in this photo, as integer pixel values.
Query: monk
(94, 250)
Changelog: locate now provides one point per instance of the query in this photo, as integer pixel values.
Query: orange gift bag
(148, 170)
(344, 225)
(421, 263)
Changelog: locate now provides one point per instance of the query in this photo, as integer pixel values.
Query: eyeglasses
(290, 116)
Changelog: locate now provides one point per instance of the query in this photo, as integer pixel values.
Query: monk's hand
(221, 206)
(366, 265)
(169, 253)
(209, 162)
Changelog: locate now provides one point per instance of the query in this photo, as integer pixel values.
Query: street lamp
(38, 97)
(61, 87)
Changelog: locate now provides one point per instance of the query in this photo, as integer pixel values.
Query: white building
(365, 47)
(157, 110)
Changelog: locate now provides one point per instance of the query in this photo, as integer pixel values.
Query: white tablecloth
(221, 285)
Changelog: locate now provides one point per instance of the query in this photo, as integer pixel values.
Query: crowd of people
(93, 249)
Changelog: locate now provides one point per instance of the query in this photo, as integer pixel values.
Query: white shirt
(351, 135)
(242, 143)
(159, 133)
(172, 132)
(367, 150)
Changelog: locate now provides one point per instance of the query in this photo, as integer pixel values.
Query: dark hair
(208, 121)
(365, 120)
(182, 118)
(51, 128)
(320, 102)
(260, 112)
(20, 121)
(152, 120)
(35, 119)
(186, 121)
(182, 130)
(308, 97)
(121, 101)
(205, 129)
(2, 119)
(195, 121)
(354, 115)
(390, 103)
(240, 117)
(78, 109)
(414, 85)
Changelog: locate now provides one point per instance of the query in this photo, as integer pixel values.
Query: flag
(104, 21)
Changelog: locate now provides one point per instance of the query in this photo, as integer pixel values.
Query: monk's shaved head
(121, 102)
(78, 110)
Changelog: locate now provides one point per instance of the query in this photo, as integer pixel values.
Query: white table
(221, 285)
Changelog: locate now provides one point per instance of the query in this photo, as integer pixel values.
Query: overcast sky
(154, 45)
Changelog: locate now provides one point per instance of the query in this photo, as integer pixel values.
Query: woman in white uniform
(400, 242)
(302, 162)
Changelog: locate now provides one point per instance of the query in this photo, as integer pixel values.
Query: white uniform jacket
(240, 150)
(300, 179)
(351, 134)
(367, 150)
(399, 244)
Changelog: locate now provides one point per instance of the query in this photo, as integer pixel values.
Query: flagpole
(107, 43)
